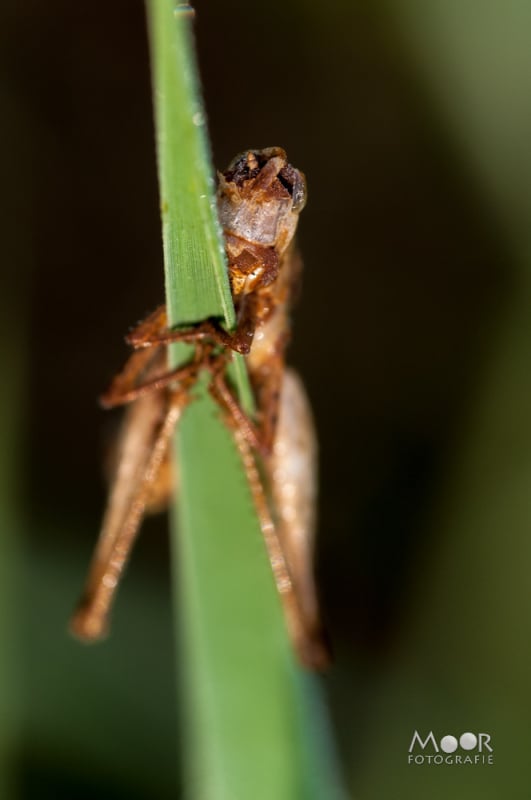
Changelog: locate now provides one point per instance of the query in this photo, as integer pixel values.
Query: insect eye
(299, 192)
(295, 183)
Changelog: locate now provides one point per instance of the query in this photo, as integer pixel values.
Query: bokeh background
(412, 121)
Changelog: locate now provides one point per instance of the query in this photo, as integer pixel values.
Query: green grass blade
(189, 223)
(248, 722)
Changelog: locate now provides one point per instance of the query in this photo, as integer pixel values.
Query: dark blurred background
(412, 122)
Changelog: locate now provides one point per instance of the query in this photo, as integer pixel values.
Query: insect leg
(223, 396)
(210, 330)
(119, 394)
(141, 368)
(240, 340)
(304, 632)
(133, 382)
(149, 426)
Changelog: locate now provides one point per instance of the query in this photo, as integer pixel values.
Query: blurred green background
(412, 121)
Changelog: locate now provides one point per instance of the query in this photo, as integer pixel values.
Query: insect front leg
(146, 371)
(147, 335)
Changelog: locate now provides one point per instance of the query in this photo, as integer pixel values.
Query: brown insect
(259, 198)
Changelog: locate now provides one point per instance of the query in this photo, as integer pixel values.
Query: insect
(259, 199)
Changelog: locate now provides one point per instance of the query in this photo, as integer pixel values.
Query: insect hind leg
(289, 559)
(126, 508)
